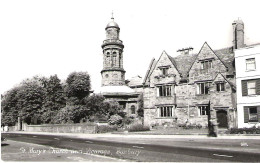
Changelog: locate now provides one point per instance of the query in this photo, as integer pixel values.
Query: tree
(30, 100)
(95, 106)
(9, 107)
(98, 109)
(54, 98)
(77, 87)
(69, 114)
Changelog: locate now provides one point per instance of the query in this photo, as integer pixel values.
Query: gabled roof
(206, 44)
(173, 62)
(184, 62)
(229, 82)
(154, 63)
(227, 56)
(149, 71)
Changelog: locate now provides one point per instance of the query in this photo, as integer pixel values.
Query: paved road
(141, 150)
(21, 151)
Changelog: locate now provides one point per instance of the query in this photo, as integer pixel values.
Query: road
(170, 150)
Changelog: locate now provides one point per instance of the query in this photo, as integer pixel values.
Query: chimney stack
(238, 34)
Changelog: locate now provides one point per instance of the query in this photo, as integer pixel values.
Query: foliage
(128, 120)
(45, 100)
(106, 128)
(77, 87)
(138, 127)
(115, 120)
(30, 100)
(189, 126)
(69, 114)
(253, 130)
(54, 98)
(8, 107)
(95, 105)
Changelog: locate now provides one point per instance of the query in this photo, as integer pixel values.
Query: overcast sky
(50, 37)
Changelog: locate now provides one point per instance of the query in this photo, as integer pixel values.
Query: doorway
(222, 119)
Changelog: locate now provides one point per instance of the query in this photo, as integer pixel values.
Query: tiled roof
(135, 81)
(227, 56)
(184, 62)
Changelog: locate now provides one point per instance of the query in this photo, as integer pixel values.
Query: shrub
(106, 128)
(252, 130)
(128, 120)
(115, 120)
(138, 127)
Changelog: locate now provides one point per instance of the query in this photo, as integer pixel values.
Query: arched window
(132, 109)
(114, 59)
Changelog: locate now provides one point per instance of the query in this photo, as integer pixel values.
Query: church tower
(113, 73)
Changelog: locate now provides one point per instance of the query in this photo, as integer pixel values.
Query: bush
(106, 128)
(115, 120)
(128, 120)
(253, 130)
(196, 126)
(138, 127)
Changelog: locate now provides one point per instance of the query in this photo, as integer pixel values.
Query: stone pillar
(19, 125)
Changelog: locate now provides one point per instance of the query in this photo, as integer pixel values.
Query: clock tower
(113, 73)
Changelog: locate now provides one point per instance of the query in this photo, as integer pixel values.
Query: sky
(47, 37)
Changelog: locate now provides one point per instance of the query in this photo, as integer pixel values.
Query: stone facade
(199, 84)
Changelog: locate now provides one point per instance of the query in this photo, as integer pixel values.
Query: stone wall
(62, 128)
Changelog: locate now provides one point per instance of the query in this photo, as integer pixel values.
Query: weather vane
(112, 15)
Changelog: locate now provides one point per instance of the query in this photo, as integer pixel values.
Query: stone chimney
(238, 34)
(185, 51)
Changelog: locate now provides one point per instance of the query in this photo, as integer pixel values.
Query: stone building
(186, 88)
(113, 86)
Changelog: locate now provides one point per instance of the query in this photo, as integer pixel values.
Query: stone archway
(222, 119)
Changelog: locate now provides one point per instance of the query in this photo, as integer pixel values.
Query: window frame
(251, 88)
(165, 90)
(132, 109)
(255, 115)
(206, 64)
(203, 90)
(165, 111)
(248, 62)
(202, 110)
(220, 86)
(165, 70)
